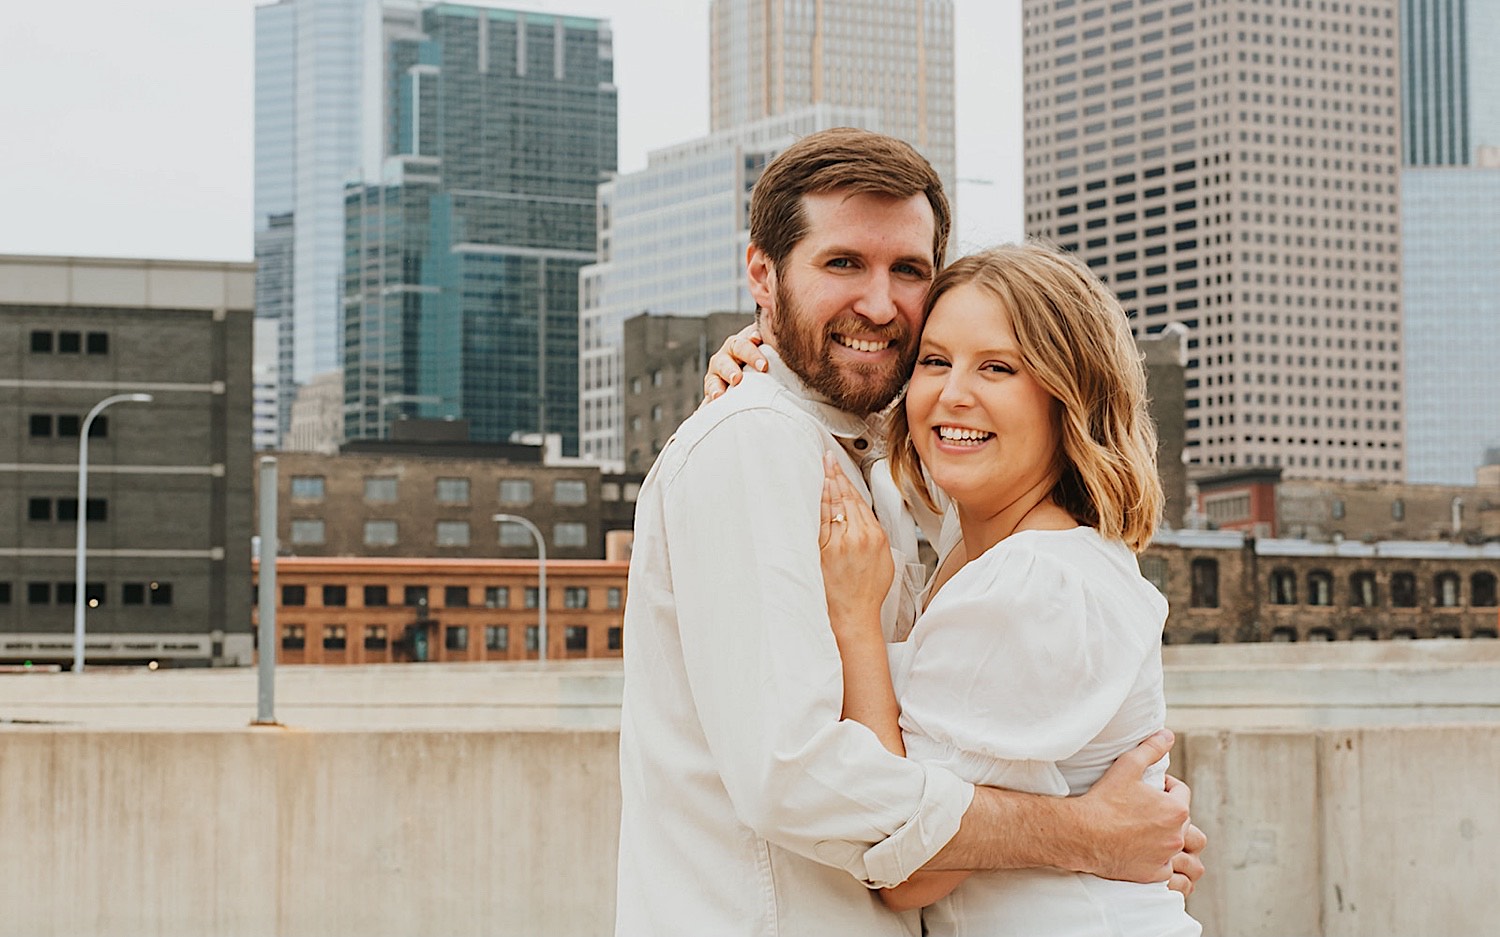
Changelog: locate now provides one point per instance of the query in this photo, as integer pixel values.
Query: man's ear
(761, 273)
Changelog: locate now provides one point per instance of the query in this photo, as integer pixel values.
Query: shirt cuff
(945, 799)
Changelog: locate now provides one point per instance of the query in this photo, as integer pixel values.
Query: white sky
(126, 126)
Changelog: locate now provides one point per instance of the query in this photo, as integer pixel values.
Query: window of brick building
(294, 595)
(38, 593)
(1205, 593)
(97, 343)
(380, 488)
(335, 638)
(576, 597)
(455, 596)
(497, 637)
(570, 491)
(380, 533)
(570, 534)
(377, 596)
(614, 597)
(307, 530)
(616, 638)
(456, 638)
(1404, 590)
(335, 596)
(1482, 590)
(1319, 588)
(515, 491)
(452, 533)
(1283, 587)
(414, 597)
(307, 487)
(375, 638)
(576, 638)
(1445, 590)
(453, 491)
(1362, 591)
(293, 638)
(497, 596)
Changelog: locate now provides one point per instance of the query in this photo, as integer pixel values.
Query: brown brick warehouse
(355, 610)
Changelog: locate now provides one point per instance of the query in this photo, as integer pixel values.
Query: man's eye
(908, 270)
(842, 263)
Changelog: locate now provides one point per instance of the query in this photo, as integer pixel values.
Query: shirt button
(861, 444)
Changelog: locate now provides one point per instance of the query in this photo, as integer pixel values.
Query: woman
(1036, 661)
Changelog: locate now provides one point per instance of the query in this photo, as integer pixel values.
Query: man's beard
(804, 348)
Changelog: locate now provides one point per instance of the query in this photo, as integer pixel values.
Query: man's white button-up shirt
(749, 807)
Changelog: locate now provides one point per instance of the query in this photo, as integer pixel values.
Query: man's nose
(876, 302)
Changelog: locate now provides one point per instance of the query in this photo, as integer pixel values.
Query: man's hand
(725, 368)
(1187, 867)
(1135, 831)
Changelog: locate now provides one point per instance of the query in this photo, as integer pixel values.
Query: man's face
(844, 308)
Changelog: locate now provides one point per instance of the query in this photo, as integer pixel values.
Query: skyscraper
(769, 57)
(313, 73)
(1450, 88)
(1450, 80)
(1233, 165)
(672, 240)
(461, 289)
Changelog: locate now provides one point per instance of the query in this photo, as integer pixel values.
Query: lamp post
(541, 577)
(80, 565)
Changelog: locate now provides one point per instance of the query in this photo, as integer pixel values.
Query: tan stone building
(1223, 588)
(1232, 165)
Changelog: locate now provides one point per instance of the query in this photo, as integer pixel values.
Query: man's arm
(1121, 829)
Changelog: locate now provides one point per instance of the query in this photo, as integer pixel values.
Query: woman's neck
(1032, 509)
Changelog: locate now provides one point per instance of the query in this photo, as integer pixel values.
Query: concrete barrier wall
(1314, 833)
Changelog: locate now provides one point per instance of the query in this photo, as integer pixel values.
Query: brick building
(352, 610)
(1226, 588)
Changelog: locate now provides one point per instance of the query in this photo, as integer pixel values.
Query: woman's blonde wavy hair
(1075, 341)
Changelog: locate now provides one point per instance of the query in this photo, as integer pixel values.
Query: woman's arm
(857, 571)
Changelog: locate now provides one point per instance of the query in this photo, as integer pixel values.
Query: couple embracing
(819, 739)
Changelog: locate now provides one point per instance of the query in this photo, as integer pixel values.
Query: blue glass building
(1450, 80)
(462, 260)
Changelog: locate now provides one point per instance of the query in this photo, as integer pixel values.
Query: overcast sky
(126, 125)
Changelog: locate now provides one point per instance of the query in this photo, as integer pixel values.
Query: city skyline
(149, 164)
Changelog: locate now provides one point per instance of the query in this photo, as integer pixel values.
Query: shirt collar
(862, 436)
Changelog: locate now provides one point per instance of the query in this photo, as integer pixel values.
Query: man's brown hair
(843, 160)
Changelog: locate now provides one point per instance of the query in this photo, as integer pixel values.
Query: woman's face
(981, 423)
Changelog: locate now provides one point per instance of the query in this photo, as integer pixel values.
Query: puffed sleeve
(1016, 665)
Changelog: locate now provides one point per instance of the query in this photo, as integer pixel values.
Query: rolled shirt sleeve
(741, 525)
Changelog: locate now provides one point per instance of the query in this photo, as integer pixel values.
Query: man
(749, 807)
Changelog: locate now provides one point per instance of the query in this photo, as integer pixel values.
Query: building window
(380, 488)
(1154, 571)
(453, 491)
(575, 597)
(4, 593)
(1205, 583)
(1283, 635)
(69, 425)
(1319, 634)
(294, 595)
(66, 593)
(1319, 588)
(38, 593)
(1445, 590)
(307, 487)
(97, 343)
(532, 643)
(1404, 590)
(576, 638)
(335, 638)
(293, 638)
(380, 533)
(414, 597)
(41, 425)
(497, 637)
(515, 491)
(567, 491)
(159, 593)
(452, 533)
(529, 598)
(1362, 593)
(497, 596)
(1283, 587)
(1398, 510)
(133, 593)
(377, 597)
(69, 343)
(514, 535)
(570, 534)
(41, 343)
(614, 597)
(456, 638)
(1482, 590)
(1338, 509)
(307, 530)
(616, 638)
(40, 509)
(335, 596)
(455, 596)
(376, 638)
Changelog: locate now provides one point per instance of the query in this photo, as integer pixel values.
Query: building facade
(1234, 167)
(168, 504)
(1225, 588)
(1450, 83)
(461, 290)
(771, 57)
(672, 241)
(1451, 248)
(373, 611)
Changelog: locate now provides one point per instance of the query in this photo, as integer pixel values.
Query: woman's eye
(932, 361)
(995, 367)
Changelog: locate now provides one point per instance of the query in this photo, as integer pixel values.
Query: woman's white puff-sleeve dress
(1032, 669)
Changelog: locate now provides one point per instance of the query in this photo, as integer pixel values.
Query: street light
(541, 577)
(81, 562)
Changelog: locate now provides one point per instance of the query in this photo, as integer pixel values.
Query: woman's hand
(725, 369)
(857, 564)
